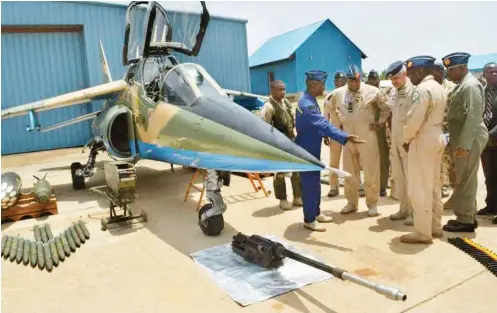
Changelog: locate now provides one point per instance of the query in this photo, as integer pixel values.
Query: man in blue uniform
(312, 127)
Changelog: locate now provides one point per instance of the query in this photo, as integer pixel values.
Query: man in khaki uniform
(277, 112)
(468, 137)
(356, 110)
(400, 96)
(447, 170)
(335, 147)
(423, 139)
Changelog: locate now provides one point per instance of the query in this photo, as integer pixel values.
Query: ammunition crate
(120, 178)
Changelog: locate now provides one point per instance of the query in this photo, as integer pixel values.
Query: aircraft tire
(213, 225)
(78, 182)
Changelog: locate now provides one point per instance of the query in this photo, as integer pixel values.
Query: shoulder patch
(312, 108)
(415, 97)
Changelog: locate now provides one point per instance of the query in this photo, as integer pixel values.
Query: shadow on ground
(295, 232)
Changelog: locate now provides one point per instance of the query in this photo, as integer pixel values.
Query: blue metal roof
(477, 62)
(281, 47)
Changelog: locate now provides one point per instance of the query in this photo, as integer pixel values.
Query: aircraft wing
(104, 91)
(244, 94)
(247, 100)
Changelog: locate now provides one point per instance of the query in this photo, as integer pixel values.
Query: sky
(385, 31)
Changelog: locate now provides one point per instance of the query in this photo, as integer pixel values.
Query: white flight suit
(356, 111)
(423, 132)
(400, 105)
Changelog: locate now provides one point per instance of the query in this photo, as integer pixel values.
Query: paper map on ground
(247, 283)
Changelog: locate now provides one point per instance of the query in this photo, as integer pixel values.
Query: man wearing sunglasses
(356, 106)
(468, 137)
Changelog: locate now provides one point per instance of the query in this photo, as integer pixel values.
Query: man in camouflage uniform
(447, 173)
(383, 140)
(277, 111)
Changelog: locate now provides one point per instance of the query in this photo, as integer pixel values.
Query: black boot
(487, 211)
(458, 227)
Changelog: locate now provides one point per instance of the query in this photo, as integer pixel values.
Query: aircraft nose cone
(262, 140)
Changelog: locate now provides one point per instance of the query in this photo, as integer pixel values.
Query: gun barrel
(389, 292)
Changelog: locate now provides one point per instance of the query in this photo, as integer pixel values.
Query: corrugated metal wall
(285, 71)
(326, 50)
(224, 52)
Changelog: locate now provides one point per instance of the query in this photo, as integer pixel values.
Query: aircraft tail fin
(105, 65)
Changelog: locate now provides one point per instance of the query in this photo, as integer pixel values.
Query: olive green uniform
(279, 114)
(384, 149)
(448, 171)
(467, 131)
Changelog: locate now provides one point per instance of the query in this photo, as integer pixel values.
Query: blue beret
(394, 68)
(420, 61)
(340, 75)
(316, 75)
(353, 72)
(454, 59)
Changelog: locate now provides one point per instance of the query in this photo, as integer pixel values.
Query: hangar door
(39, 63)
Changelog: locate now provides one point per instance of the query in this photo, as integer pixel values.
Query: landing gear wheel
(213, 225)
(78, 182)
(143, 215)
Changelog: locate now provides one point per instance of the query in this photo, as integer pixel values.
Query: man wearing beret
(400, 96)
(489, 155)
(468, 137)
(383, 140)
(312, 127)
(423, 138)
(356, 110)
(335, 147)
(447, 172)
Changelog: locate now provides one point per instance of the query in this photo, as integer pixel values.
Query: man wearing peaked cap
(423, 139)
(400, 95)
(383, 139)
(335, 147)
(312, 127)
(468, 137)
(356, 111)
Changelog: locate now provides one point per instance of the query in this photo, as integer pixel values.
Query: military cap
(316, 75)
(455, 59)
(339, 75)
(373, 75)
(439, 66)
(420, 61)
(353, 72)
(395, 68)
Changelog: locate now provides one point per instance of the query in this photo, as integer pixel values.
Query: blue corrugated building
(51, 48)
(319, 46)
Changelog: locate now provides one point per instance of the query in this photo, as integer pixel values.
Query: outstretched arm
(324, 128)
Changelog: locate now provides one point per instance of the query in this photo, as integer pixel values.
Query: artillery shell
(36, 230)
(41, 255)
(13, 249)
(4, 242)
(70, 240)
(53, 252)
(79, 231)
(33, 253)
(65, 243)
(48, 230)
(48, 257)
(43, 233)
(6, 251)
(75, 236)
(60, 250)
(25, 255)
(20, 249)
(84, 229)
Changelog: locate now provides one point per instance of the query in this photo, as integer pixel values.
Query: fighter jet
(169, 111)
